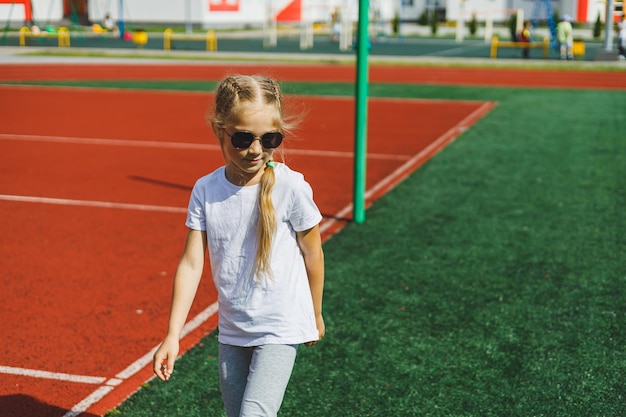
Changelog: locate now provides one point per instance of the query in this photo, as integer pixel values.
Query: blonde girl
(258, 220)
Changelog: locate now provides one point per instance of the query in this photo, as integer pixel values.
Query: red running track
(93, 190)
(509, 77)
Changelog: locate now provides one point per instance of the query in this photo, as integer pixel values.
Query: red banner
(223, 5)
(292, 12)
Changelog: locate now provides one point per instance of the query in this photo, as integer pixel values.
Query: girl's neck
(242, 179)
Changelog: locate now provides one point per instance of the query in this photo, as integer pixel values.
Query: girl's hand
(321, 329)
(164, 357)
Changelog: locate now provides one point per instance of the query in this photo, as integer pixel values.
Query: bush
(597, 27)
(395, 24)
(556, 15)
(434, 22)
(422, 20)
(473, 25)
(513, 26)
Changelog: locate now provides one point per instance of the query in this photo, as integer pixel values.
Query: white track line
(405, 169)
(402, 171)
(52, 375)
(394, 178)
(188, 328)
(180, 145)
(92, 398)
(136, 366)
(109, 142)
(88, 203)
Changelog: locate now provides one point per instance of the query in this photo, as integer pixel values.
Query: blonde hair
(233, 96)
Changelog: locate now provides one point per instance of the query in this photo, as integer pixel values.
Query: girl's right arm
(186, 283)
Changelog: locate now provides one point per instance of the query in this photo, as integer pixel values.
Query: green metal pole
(120, 23)
(360, 148)
(608, 26)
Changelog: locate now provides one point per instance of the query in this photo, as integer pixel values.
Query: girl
(260, 224)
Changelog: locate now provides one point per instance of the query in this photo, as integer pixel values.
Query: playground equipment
(63, 35)
(341, 27)
(125, 28)
(270, 30)
(28, 9)
(306, 30)
(489, 16)
(210, 37)
(495, 44)
(139, 37)
(27, 12)
(539, 6)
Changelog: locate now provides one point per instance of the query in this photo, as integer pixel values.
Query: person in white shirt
(565, 36)
(258, 219)
(108, 23)
(621, 37)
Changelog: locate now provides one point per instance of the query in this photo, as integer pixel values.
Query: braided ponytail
(267, 221)
(267, 214)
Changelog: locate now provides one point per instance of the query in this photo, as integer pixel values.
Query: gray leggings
(254, 379)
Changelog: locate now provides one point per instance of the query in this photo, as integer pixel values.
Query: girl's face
(246, 166)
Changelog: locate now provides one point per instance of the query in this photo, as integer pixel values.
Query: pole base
(604, 55)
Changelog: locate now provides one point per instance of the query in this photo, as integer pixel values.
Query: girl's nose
(256, 146)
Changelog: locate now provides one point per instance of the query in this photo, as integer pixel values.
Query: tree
(513, 26)
(597, 27)
(434, 22)
(473, 25)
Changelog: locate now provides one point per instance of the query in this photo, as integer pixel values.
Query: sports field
(487, 282)
(442, 46)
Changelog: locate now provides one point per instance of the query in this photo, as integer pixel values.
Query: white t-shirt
(257, 310)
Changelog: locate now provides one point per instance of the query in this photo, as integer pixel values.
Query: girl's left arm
(310, 243)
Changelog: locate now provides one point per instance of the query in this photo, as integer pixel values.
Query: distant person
(335, 24)
(565, 36)
(621, 37)
(108, 23)
(258, 220)
(525, 36)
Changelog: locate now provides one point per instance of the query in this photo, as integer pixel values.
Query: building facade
(242, 13)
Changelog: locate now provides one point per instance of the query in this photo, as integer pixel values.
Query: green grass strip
(491, 282)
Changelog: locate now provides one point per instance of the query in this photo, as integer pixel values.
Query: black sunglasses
(242, 139)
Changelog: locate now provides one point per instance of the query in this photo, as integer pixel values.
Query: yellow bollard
(64, 38)
(546, 47)
(578, 48)
(167, 39)
(494, 47)
(211, 41)
(24, 32)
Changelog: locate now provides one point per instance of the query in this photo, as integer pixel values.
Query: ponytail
(267, 222)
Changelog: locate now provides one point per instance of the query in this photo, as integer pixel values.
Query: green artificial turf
(491, 282)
